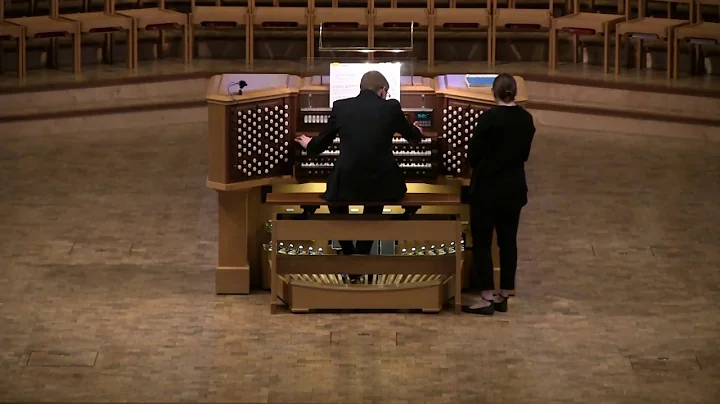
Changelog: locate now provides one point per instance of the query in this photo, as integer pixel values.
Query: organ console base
(232, 275)
(232, 280)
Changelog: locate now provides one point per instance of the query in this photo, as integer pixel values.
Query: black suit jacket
(498, 150)
(365, 170)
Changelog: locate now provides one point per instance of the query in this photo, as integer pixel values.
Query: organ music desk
(263, 179)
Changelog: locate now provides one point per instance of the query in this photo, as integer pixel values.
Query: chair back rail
(698, 8)
(643, 7)
(513, 4)
(621, 7)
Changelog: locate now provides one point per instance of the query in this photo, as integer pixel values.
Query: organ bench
(263, 179)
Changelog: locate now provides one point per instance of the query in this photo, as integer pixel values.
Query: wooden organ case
(263, 179)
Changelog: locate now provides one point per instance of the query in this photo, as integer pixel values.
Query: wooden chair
(9, 31)
(512, 18)
(220, 17)
(336, 18)
(53, 27)
(587, 24)
(158, 19)
(454, 19)
(105, 22)
(648, 28)
(401, 19)
(279, 17)
(698, 34)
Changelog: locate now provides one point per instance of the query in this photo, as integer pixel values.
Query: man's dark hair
(373, 80)
(504, 88)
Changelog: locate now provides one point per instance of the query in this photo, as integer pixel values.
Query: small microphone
(241, 84)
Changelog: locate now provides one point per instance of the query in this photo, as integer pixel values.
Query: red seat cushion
(162, 27)
(580, 31)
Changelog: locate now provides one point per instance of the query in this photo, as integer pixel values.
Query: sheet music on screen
(345, 78)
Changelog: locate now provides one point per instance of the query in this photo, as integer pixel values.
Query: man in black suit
(365, 170)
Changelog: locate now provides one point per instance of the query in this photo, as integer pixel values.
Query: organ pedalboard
(414, 249)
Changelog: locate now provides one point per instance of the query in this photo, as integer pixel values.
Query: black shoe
(502, 306)
(486, 311)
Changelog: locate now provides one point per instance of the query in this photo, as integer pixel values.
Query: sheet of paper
(345, 78)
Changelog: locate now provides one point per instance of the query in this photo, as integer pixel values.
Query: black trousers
(361, 246)
(486, 216)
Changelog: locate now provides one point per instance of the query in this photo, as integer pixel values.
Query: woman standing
(498, 150)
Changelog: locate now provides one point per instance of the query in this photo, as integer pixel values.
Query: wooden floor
(117, 74)
(108, 244)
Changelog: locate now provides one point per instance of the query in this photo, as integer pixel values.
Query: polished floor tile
(108, 247)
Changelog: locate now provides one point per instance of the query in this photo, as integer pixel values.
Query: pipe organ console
(253, 156)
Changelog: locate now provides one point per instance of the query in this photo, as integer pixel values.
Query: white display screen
(345, 79)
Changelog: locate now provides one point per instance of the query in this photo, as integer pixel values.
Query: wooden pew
(49, 26)
(104, 22)
(585, 24)
(291, 275)
(219, 17)
(338, 19)
(158, 19)
(460, 20)
(511, 18)
(9, 31)
(279, 17)
(698, 34)
(648, 28)
(405, 20)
